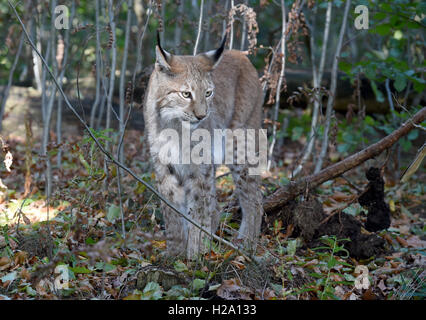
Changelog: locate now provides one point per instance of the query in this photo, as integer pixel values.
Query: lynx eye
(186, 94)
(209, 93)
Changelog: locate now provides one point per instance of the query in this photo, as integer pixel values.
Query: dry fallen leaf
(369, 295)
(20, 257)
(402, 241)
(238, 262)
(4, 263)
(388, 238)
(382, 286)
(2, 242)
(8, 160)
(232, 290)
(25, 274)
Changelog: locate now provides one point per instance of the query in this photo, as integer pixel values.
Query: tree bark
(295, 188)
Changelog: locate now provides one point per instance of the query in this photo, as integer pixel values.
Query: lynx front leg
(171, 187)
(250, 200)
(202, 208)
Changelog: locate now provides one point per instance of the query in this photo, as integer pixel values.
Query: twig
(409, 113)
(351, 184)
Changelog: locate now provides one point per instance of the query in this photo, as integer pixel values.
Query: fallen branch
(295, 188)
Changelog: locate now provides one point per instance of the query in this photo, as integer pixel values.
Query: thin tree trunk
(112, 69)
(49, 107)
(394, 120)
(333, 84)
(6, 90)
(37, 68)
(123, 72)
(121, 112)
(207, 33)
(179, 26)
(98, 68)
(163, 4)
(231, 34)
(200, 26)
(61, 78)
(225, 18)
(111, 83)
(280, 81)
(244, 31)
(317, 79)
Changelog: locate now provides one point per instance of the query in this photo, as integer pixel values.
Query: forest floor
(71, 246)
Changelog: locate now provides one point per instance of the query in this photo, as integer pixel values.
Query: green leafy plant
(331, 264)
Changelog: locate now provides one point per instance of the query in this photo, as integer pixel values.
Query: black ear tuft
(219, 51)
(165, 55)
(215, 55)
(163, 58)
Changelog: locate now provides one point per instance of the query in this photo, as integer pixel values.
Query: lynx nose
(200, 117)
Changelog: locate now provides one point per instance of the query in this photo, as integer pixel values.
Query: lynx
(218, 89)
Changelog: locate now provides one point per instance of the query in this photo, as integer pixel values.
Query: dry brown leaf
(232, 290)
(369, 295)
(4, 263)
(238, 262)
(25, 218)
(402, 241)
(388, 238)
(20, 257)
(2, 242)
(25, 274)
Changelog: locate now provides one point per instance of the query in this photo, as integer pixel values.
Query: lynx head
(184, 85)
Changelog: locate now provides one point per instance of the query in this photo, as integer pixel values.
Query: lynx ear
(215, 55)
(162, 57)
